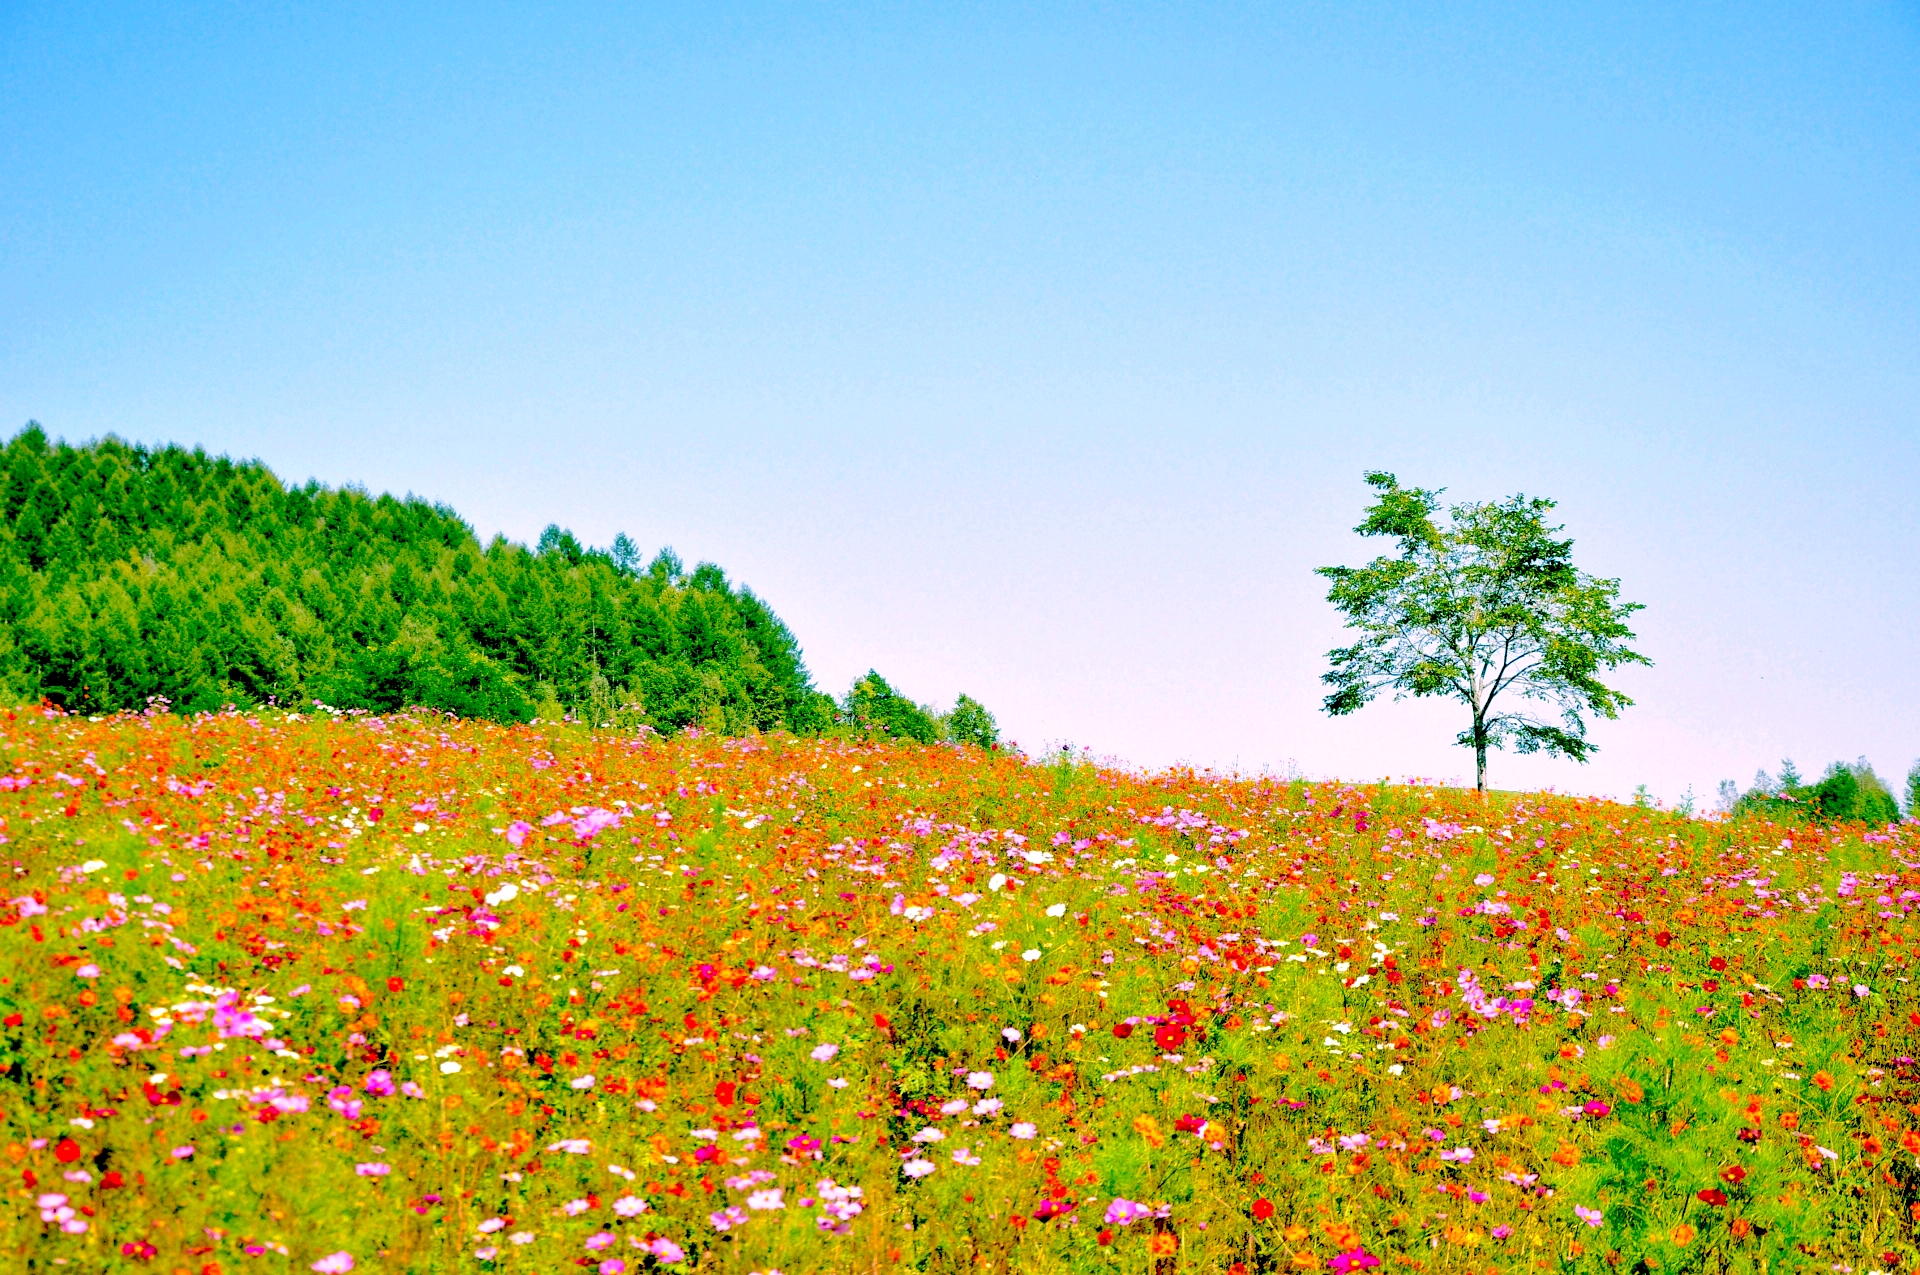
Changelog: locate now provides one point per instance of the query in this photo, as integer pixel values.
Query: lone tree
(1487, 604)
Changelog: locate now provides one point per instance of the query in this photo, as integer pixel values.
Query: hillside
(400, 994)
(128, 573)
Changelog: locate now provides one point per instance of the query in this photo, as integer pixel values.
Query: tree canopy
(1846, 793)
(128, 573)
(1488, 604)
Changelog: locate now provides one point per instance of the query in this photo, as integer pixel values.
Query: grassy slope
(1187, 989)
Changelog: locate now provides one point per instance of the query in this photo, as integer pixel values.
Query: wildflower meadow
(322, 992)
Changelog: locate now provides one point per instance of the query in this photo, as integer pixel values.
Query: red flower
(1120, 1030)
(1105, 1238)
(396, 984)
(1732, 1175)
(13, 1020)
(112, 1178)
(66, 1151)
(723, 1093)
(1712, 1196)
(1663, 938)
(1263, 1208)
(1717, 964)
(1170, 1037)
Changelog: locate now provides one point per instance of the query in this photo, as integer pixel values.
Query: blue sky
(1037, 352)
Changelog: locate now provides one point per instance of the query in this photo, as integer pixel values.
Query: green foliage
(1845, 794)
(874, 708)
(128, 574)
(1489, 603)
(1913, 791)
(971, 723)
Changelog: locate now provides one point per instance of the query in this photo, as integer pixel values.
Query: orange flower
(1823, 1079)
(1342, 1235)
(1149, 1128)
(1629, 1089)
(1682, 1235)
(1163, 1245)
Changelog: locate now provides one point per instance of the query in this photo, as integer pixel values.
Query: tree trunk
(1479, 756)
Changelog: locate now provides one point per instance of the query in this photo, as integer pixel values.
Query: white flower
(930, 1134)
(1031, 954)
(979, 1080)
(917, 1168)
(1023, 1130)
(1057, 909)
(838, 1082)
(629, 1206)
(449, 1067)
(997, 881)
(581, 1082)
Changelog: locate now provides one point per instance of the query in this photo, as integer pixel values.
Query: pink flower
(629, 1206)
(183, 1153)
(613, 1266)
(373, 1170)
(1592, 1217)
(335, 1263)
(380, 1083)
(824, 1053)
(517, 832)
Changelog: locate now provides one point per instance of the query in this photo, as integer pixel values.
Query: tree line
(130, 575)
(1846, 791)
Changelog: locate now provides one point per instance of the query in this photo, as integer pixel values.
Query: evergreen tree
(128, 573)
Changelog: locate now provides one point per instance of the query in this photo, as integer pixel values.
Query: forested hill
(128, 573)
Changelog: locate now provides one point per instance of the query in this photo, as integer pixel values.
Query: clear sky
(1036, 352)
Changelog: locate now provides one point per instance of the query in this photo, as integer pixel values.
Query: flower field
(404, 994)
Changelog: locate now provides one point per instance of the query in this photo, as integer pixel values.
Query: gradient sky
(1036, 352)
